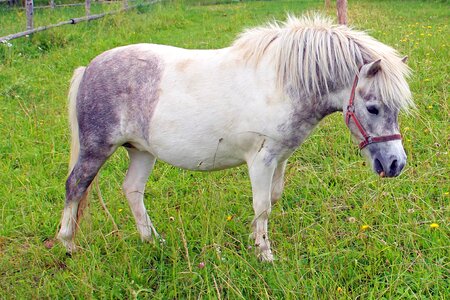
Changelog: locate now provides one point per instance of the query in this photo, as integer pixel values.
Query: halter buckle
(351, 108)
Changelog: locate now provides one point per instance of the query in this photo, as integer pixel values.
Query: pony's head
(372, 116)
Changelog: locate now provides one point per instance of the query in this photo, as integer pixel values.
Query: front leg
(261, 171)
(278, 182)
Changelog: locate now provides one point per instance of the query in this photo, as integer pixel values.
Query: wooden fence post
(88, 7)
(52, 4)
(29, 8)
(342, 11)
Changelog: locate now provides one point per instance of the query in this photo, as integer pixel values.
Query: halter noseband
(351, 115)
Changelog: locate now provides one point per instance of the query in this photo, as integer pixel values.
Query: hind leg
(141, 164)
(77, 188)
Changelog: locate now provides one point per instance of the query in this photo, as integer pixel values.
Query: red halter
(351, 115)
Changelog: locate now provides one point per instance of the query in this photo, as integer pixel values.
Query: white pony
(254, 102)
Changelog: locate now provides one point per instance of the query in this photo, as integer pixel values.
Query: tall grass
(338, 232)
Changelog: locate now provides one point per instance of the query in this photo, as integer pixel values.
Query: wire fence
(29, 8)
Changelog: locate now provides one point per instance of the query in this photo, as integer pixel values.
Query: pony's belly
(198, 156)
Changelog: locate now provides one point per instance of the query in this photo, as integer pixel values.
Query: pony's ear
(405, 59)
(372, 68)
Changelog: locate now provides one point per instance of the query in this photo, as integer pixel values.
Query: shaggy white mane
(313, 55)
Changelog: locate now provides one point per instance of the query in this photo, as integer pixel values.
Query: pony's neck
(332, 102)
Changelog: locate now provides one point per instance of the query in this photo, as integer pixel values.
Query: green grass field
(339, 232)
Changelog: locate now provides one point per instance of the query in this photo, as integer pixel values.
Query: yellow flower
(426, 79)
(365, 227)
(446, 193)
(229, 218)
(120, 209)
(430, 106)
(434, 225)
(339, 289)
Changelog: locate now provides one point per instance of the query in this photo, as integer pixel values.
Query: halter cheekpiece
(350, 114)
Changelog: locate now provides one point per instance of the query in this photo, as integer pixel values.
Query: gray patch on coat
(119, 88)
(307, 112)
(84, 171)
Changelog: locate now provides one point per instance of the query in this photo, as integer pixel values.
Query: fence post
(29, 8)
(52, 4)
(342, 11)
(125, 4)
(88, 7)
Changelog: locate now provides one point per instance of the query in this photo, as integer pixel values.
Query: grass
(316, 229)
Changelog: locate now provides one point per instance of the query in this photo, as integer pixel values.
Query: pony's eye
(372, 109)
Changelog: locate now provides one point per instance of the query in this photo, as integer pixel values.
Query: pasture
(338, 232)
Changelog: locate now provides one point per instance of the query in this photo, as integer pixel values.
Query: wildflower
(430, 106)
(446, 193)
(229, 218)
(434, 225)
(171, 219)
(426, 79)
(120, 209)
(410, 210)
(339, 289)
(352, 219)
(201, 265)
(364, 227)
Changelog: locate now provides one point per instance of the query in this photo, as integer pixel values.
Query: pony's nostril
(377, 166)
(393, 167)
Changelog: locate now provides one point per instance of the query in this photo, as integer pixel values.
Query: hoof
(266, 256)
(152, 238)
(68, 244)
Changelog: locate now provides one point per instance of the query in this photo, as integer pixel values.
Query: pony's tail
(73, 120)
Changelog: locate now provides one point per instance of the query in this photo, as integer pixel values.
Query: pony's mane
(315, 55)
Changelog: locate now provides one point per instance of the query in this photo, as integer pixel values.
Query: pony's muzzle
(390, 166)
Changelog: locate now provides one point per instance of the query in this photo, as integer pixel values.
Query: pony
(252, 103)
